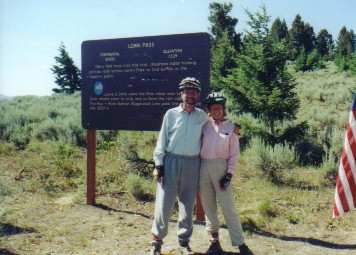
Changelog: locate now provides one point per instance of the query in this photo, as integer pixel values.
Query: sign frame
(129, 83)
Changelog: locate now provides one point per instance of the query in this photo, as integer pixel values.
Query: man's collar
(180, 107)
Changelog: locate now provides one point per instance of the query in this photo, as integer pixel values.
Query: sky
(31, 31)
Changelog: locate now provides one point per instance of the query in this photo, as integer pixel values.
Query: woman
(219, 153)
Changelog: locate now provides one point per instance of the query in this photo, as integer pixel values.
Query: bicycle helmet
(190, 83)
(215, 98)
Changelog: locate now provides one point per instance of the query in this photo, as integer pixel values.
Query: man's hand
(158, 173)
(225, 181)
(237, 129)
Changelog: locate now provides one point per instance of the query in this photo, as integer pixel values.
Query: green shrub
(78, 135)
(292, 133)
(58, 167)
(20, 140)
(47, 130)
(3, 215)
(272, 160)
(6, 148)
(250, 127)
(4, 189)
(310, 151)
(353, 64)
(109, 181)
(53, 114)
(330, 167)
(315, 61)
(267, 209)
(52, 118)
(293, 219)
(342, 63)
(65, 163)
(139, 187)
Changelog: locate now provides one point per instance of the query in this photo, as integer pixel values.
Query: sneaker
(214, 248)
(156, 249)
(244, 250)
(185, 248)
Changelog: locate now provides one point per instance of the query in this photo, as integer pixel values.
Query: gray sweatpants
(212, 170)
(181, 178)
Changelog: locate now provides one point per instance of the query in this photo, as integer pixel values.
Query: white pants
(211, 171)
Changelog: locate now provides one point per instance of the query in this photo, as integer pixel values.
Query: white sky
(31, 31)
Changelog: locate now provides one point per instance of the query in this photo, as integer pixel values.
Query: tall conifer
(325, 44)
(67, 74)
(260, 84)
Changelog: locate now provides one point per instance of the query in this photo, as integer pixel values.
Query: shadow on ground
(8, 230)
(251, 228)
(311, 241)
(7, 252)
(225, 253)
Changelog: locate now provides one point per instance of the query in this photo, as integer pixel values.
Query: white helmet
(190, 83)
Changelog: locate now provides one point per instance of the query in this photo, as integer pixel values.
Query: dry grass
(278, 217)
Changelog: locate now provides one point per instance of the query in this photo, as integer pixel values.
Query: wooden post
(199, 212)
(91, 176)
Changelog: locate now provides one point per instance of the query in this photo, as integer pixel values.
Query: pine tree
(308, 39)
(295, 37)
(325, 44)
(225, 42)
(301, 35)
(344, 49)
(67, 75)
(221, 22)
(353, 65)
(345, 43)
(308, 62)
(223, 56)
(300, 64)
(261, 85)
(353, 39)
(279, 30)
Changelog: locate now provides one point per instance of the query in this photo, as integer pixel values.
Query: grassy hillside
(43, 163)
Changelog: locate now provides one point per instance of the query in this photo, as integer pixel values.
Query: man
(220, 151)
(177, 165)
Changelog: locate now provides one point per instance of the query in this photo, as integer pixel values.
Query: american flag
(345, 193)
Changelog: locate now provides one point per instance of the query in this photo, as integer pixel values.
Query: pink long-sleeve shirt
(220, 142)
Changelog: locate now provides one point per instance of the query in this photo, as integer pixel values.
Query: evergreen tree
(325, 44)
(300, 64)
(221, 22)
(67, 75)
(353, 39)
(352, 69)
(295, 37)
(301, 35)
(345, 43)
(223, 56)
(344, 49)
(308, 39)
(261, 85)
(308, 62)
(353, 64)
(225, 42)
(279, 30)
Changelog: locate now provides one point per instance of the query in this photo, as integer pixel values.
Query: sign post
(91, 173)
(129, 83)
